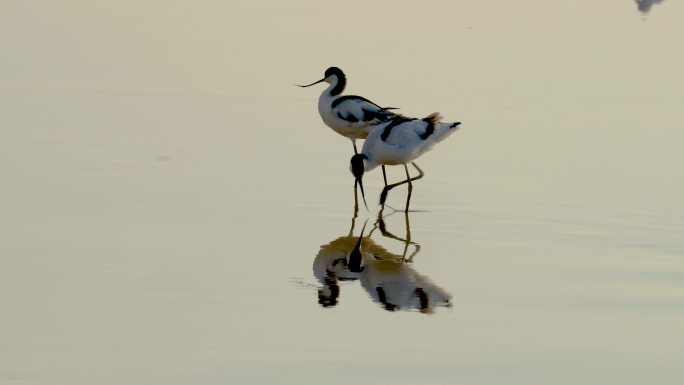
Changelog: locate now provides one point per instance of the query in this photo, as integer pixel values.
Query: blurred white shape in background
(645, 5)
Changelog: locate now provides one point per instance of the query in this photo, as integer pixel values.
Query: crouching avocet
(399, 141)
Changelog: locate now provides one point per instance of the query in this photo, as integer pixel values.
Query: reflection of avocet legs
(380, 223)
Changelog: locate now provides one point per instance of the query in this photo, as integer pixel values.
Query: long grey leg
(383, 195)
(410, 189)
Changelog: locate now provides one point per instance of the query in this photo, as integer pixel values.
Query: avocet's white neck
(337, 84)
(328, 92)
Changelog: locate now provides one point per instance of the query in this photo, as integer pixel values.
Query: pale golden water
(166, 190)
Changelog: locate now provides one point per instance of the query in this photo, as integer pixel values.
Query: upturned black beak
(355, 256)
(309, 85)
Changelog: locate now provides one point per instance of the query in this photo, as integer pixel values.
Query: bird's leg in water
(380, 223)
(408, 231)
(408, 197)
(408, 241)
(383, 195)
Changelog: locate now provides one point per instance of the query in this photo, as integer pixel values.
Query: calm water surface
(170, 201)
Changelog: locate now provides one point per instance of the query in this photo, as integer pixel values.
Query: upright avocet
(399, 141)
(349, 115)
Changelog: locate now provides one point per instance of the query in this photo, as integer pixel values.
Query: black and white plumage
(349, 115)
(400, 141)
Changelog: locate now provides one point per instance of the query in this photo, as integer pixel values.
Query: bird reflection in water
(388, 278)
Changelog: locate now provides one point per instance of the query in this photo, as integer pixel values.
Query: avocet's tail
(433, 118)
(436, 130)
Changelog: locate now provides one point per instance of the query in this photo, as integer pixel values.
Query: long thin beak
(363, 195)
(358, 243)
(310, 84)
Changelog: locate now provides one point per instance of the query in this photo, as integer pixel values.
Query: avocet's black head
(334, 71)
(355, 257)
(356, 165)
(332, 75)
(357, 168)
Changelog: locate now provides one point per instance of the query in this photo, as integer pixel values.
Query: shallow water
(167, 192)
